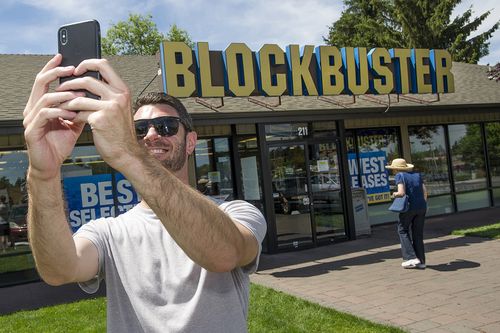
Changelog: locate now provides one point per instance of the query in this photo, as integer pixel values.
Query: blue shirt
(414, 188)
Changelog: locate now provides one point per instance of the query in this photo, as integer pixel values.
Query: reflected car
(326, 193)
(18, 225)
(324, 182)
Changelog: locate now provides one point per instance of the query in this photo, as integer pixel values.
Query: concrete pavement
(459, 291)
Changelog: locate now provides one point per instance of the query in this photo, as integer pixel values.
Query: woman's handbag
(400, 204)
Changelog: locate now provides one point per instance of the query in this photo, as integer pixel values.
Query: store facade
(300, 159)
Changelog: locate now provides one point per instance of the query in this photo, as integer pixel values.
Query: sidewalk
(458, 292)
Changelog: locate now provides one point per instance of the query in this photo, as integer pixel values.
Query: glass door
(291, 195)
(326, 191)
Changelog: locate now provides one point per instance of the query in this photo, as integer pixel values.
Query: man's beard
(178, 157)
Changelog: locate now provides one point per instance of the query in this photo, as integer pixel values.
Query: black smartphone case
(77, 42)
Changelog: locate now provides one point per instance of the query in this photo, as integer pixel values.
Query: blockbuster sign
(302, 71)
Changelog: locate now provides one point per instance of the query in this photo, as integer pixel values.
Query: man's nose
(152, 134)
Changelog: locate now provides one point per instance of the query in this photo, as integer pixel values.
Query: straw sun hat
(399, 164)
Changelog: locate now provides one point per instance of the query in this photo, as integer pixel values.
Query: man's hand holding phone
(50, 131)
(55, 120)
(110, 117)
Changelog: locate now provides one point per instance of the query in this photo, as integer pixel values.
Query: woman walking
(411, 223)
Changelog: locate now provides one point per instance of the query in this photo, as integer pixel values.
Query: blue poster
(374, 176)
(91, 197)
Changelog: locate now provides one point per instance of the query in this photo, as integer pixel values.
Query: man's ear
(191, 138)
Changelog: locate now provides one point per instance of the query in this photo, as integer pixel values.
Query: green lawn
(270, 311)
(489, 231)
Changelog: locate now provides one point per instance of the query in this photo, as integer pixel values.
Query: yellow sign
(324, 70)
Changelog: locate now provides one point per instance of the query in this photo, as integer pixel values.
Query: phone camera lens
(64, 36)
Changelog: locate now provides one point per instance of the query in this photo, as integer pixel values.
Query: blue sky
(30, 26)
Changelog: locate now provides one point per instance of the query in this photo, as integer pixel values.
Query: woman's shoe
(412, 263)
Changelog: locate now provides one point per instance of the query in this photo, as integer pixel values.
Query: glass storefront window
(248, 151)
(15, 254)
(288, 131)
(367, 161)
(324, 129)
(493, 143)
(428, 154)
(214, 168)
(91, 189)
(326, 191)
(468, 161)
(290, 195)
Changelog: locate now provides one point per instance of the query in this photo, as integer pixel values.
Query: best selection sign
(324, 70)
(92, 197)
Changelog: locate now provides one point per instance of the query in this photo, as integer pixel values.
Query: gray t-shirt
(153, 286)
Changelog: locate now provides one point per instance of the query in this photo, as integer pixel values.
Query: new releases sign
(308, 70)
(373, 174)
(91, 197)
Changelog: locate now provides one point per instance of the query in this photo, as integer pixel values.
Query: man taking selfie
(178, 261)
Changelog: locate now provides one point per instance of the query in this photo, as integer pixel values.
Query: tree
(426, 24)
(179, 35)
(412, 24)
(365, 23)
(139, 35)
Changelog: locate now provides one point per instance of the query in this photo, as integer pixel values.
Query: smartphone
(77, 42)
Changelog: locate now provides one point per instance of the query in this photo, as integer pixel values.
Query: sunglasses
(164, 126)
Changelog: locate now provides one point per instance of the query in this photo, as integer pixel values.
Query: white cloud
(219, 22)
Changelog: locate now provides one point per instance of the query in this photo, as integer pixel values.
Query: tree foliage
(179, 35)
(139, 35)
(412, 24)
(367, 23)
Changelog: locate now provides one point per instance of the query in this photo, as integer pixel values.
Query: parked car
(18, 225)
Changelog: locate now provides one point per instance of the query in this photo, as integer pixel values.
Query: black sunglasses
(164, 126)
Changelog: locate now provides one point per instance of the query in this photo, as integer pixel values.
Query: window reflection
(467, 157)
(369, 151)
(15, 254)
(493, 143)
(16, 261)
(428, 154)
(469, 170)
(213, 168)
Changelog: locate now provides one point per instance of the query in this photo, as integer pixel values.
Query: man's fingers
(44, 116)
(90, 84)
(83, 104)
(52, 63)
(49, 100)
(42, 81)
(107, 72)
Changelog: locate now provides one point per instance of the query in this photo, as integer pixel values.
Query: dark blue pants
(411, 234)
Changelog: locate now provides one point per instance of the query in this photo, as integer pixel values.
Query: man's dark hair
(152, 98)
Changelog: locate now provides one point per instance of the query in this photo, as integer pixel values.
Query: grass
(82, 316)
(488, 231)
(270, 311)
